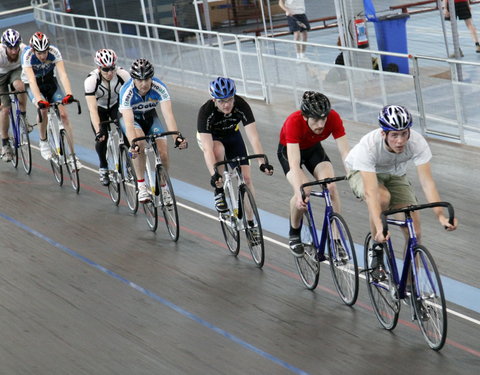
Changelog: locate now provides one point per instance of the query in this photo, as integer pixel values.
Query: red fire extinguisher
(361, 32)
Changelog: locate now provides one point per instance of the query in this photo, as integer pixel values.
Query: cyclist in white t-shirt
(102, 88)
(378, 165)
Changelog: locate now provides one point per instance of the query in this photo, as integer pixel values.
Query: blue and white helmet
(222, 88)
(11, 38)
(394, 117)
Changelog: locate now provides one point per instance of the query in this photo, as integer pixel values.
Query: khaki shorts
(400, 188)
(6, 80)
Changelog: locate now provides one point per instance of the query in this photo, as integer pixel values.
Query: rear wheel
(308, 266)
(70, 161)
(55, 160)
(253, 232)
(383, 294)
(25, 148)
(343, 260)
(168, 203)
(428, 299)
(229, 221)
(129, 179)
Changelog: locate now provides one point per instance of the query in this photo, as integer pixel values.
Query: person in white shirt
(378, 165)
(10, 71)
(297, 23)
(102, 88)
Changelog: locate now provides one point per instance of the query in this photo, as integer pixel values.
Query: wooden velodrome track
(85, 288)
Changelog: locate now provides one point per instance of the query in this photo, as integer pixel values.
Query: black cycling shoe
(377, 268)
(296, 246)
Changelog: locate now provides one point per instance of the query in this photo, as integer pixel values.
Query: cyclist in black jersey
(219, 137)
(102, 88)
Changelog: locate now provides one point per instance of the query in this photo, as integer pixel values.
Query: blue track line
(157, 298)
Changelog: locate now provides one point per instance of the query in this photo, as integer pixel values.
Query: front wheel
(308, 266)
(114, 174)
(55, 160)
(343, 260)
(129, 179)
(25, 148)
(168, 203)
(383, 294)
(14, 148)
(253, 226)
(229, 222)
(428, 299)
(70, 161)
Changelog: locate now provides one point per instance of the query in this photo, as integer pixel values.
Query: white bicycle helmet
(105, 58)
(394, 117)
(39, 42)
(11, 38)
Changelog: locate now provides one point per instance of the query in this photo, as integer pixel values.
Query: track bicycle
(419, 284)
(160, 187)
(120, 167)
(335, 237)
(19, 137)
(242, 213)
(62, 154)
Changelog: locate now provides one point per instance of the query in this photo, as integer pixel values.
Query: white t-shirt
(296, 6)
(371, 154)
(6, 65)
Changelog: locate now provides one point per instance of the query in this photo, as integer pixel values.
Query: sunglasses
(110, 69)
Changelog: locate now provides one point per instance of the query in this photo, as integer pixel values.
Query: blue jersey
(131, 99)
(41, 70)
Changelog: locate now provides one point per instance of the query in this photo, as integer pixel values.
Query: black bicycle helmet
(394, 117)
(315, 105)
(141, 69)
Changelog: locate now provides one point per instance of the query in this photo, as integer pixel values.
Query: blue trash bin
(391, 32)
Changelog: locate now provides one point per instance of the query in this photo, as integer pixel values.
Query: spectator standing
(297, 23)
(463, 12)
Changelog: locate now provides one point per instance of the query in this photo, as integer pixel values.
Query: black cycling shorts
(310, 157)
(234, 146)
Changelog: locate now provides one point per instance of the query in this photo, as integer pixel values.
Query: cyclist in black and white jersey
(102, 88)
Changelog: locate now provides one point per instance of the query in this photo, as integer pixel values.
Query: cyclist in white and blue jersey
(139, 98)
(42, 63)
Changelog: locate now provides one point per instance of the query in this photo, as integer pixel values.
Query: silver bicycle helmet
(394, 117)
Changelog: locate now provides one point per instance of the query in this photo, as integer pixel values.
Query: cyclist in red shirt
(300, 144)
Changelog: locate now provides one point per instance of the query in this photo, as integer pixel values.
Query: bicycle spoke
(229, 222)
(253, 232)
(429, 300)
(55, 162)
(70, 161)
(129, 179)
(307, 266)
(25, 148)
(343, 260)
(168, 203)
(383, 295)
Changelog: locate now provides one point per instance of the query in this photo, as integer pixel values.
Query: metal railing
(266, 68)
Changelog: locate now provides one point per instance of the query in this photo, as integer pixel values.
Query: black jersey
(211, 120)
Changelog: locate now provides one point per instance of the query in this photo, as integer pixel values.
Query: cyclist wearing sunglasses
(218, 134)
(102, 89)
(139, 98)
(42, 63)
(300, 144)
(10, 72)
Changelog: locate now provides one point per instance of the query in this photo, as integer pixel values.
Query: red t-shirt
(296, 130)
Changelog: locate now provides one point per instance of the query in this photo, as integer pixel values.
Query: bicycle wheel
(343, 260)
(229, 222)
(114, 176)
(428, 299)
(55, 161)
(168, 202)
(11, 139)
(70, 161)
(150, 207)
(254, 233)
(308, 266)
(25, 148)
(129, 179)
(384, 294)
